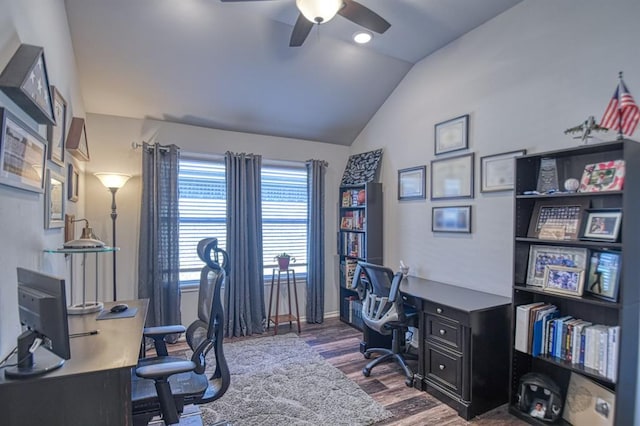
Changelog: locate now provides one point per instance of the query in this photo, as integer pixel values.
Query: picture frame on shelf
(587, 402)
(76, 143)
(452, 135)
(603, 279)
(73, 183)
(56, 133)
(541, 256)
(497, 172)
(602, 224)
(604, 176)
(557, 219)
(563, 280)
(54, 200)
(451, 219)
(452, 177)
(25, 80)
(412, 183)
(23, 154)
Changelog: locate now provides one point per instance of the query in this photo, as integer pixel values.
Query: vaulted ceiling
(228, 65)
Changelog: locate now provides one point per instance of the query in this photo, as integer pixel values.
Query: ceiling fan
(321, 11)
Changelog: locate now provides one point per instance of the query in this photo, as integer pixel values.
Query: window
(203, 212)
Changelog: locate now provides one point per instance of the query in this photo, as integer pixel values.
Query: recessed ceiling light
(362, 37)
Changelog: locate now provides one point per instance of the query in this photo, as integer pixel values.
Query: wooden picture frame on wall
(26, 81)
(56, 133)
(77, 144)
(73, 182)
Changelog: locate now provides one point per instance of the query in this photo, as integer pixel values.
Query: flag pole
(620, 135)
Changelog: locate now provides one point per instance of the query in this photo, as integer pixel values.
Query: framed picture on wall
(412, 183)
(451, 219)
(452, 177)
(22, 154)
(73, 181)
(497, 171)
(54, 196)
(452, 135)
(56, 133)
(77, 144)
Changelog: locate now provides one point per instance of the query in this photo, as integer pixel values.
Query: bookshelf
(359, 238)
(619, 313)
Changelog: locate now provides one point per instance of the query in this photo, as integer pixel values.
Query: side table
(277, 318)
(84, 307)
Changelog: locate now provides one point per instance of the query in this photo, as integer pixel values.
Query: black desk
(91, 388)
(463, 355)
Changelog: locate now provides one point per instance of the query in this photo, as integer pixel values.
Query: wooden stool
(277, 319)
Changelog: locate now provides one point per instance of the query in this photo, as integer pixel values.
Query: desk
(463, 357)
(91, 388)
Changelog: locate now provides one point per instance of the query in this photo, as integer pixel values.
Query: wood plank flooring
(339, 343)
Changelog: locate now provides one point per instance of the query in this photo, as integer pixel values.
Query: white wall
(524, 77)
(22, 234)
(110, 141)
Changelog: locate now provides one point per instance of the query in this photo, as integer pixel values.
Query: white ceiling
(229, 65)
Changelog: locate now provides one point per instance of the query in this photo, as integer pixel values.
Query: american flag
(622, 112)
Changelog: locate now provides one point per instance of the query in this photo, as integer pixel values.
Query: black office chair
(164, 385)
(384, 312)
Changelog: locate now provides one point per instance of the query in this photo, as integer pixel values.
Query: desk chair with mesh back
(163, 385)
(384, 312)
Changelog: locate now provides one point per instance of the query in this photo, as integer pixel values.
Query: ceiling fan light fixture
(319, 11)
(362, 37)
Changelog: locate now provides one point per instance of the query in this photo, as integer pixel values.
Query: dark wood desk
(91, 388)
(463, 355)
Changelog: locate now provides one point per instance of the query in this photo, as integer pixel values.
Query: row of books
(542, 331)
(348, 269)
(352, 244)
(353, 219)
(353, 198)
(353, 310)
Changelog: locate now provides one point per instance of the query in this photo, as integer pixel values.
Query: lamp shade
(113, 180)
(319, 11)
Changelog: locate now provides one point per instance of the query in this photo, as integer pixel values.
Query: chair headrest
(207, 248)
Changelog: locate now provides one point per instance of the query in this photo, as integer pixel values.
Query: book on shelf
(522, 326)
(352, 220)
(353, 244)
(353, 197)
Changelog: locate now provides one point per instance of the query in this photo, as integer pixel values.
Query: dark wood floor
(339, 344)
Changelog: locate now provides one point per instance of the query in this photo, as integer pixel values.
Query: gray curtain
(316, 170)
(158, 256)
(244, 292)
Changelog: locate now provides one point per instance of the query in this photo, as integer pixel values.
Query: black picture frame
(603, 277)
(455, 219)
(25, 80)
(557, 219)
(497, 171)
(412, 183)
(601, 224)
(57, 133)
(452, 177)
(451, 135)
(73, 183)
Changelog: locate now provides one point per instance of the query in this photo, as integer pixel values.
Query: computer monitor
(42, 305)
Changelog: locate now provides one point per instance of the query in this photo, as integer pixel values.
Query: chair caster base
(367, 355)
(366, 372)
(409, 382)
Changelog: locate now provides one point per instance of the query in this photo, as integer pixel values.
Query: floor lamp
(113, 182)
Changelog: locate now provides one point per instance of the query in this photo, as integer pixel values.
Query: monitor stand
(28, 364)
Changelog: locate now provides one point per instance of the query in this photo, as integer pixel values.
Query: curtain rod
(136, 145)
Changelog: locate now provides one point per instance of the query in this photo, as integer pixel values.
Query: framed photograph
(412, 184)
(603, 278)
(605, 176)
(26, 81)
(54, 196)
(451, 219)
(541, 256)
(56, 133)
(497, 171)
(563, 280)
(452, 177)
(452, 135)
(557, 219)
(602, 224)
(77, 140)
(588, 403)
(73, 181)
(23, 154)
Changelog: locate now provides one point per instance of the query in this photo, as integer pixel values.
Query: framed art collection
(497, 171)
(56, 133)
(22, 154)
(452, 135)
(26, 81)
(541, 256)
(412, 183)
(451, 219)
(452, 177)
(54, 196)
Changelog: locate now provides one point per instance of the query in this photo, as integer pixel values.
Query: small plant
(283, 260)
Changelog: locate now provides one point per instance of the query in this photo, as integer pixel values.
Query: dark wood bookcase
(570, 163)
(359, 238)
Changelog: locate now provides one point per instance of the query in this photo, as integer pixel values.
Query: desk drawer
(445, 368)
(447, 312)
(444, 331)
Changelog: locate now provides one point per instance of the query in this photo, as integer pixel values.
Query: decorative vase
(283, 263)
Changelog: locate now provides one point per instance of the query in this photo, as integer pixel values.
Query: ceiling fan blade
(363, 16)
(300, 31)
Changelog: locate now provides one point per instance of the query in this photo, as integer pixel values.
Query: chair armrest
(163, 330)
(164, 369)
